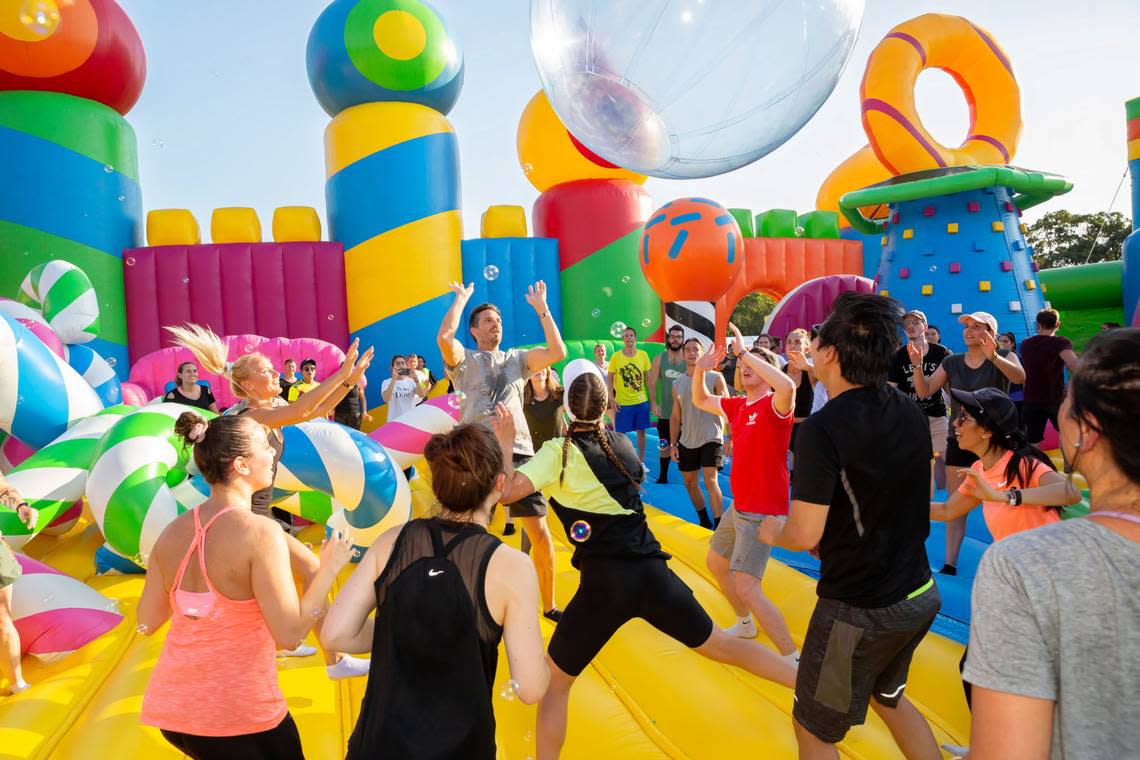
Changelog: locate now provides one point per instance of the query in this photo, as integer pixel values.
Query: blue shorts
(630, 418)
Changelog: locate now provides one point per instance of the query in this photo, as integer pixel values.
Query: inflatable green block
(777, 223)
(820, 224)
(743, 217)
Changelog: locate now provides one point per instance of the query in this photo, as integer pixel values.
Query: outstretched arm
(555, 350)
(449, 347)
(310, 404)
(702, 399)
(924, 386)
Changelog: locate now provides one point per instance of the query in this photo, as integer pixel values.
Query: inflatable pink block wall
(293, 290)
(153, 371)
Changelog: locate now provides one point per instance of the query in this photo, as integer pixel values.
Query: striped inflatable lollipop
(65, 295)
(56, 614)
(56, 395)
(404, 439)
(55, 477)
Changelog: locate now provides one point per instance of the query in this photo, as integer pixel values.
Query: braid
(604, 441)
(565, 455)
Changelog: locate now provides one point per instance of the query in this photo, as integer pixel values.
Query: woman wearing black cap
(987, 425)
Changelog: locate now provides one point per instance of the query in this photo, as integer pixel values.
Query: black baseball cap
(992, 406)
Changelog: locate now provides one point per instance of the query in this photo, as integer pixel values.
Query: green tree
(1064, 238)
(751, 311)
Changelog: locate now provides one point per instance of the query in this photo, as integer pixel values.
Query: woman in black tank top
(254, 380)
(445, 593)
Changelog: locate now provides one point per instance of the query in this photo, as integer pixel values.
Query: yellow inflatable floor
(645, 696)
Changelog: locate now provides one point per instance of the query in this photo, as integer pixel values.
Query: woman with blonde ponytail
(592, 476)
(254, 380)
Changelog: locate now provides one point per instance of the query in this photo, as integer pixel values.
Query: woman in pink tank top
(221, 575)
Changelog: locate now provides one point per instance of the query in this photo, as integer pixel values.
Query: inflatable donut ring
(979, 66)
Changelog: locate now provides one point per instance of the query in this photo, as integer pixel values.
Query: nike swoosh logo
(434, 573)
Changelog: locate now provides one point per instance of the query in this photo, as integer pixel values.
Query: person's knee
(745, 584)
(716, 564)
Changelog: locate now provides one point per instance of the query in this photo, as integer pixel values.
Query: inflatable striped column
(69, 181)
(696, 318)
(40, 395)
(387, 71)
(1132, 242)
(393, 201)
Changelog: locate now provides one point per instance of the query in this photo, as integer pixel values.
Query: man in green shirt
(667, 367)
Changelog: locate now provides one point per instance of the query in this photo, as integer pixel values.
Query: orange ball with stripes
(691, 250)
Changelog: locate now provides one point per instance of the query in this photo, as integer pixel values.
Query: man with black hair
(877, 598)
(667, 366)
(489, 376)
(307, 382)
(1045, 357)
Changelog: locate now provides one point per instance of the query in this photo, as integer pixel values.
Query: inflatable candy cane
(135, 465)
(97, 372)
(65, 295)
(404, 439)
(56, 614)
(55, 477)
(57, 397)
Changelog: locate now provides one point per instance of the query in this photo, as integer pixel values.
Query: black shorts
(851, 654)
(1034, 416)
(282, 742)
(710, 454)
(531, 505)
(956, 456)
(613, 591)
(792, 438)
(663, 436)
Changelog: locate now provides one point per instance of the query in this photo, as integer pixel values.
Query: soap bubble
(455, 400)
(248, 348)
(129, 261)
(510, 690)
(662, 444)
(108, 168)
(142, 629)
(185, 280)
(122, 198)
(580, 531)
(112, 361)
(750, 76)
(646, 322)
(596, 313)
(617, 329)
(625, 279)
(490, 272)
(157, 144)
(933, 267)
(330, 317)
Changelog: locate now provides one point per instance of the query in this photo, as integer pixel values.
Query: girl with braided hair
(592, 477)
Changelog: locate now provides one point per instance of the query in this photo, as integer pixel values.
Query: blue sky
(227, 117)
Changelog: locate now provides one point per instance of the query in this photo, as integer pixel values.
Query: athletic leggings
(280, 743)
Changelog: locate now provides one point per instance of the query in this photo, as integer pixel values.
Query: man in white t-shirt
(401, 392)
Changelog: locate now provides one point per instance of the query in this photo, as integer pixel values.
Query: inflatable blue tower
(954, 243)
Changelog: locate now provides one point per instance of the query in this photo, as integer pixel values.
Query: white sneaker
(304, 650)
(742, 629)
(18, 687)
(348, 667)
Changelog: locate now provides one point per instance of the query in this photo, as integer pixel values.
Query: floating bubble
(185, 280)
(122, 198)
(490, 272)
(48, 598)
(617, 329)
(662, 444)
(158, 144)
(646, 322)
(625, 279)
(933, 267)
(142, 629)
(528, 736)
(596, 313)
(330, 317)
(112, 605)
(510, 690)
(129, 261)
(108, 168)
(112, 361)
(248, 348)
(455, 400)
(19, 400)
(580, 531)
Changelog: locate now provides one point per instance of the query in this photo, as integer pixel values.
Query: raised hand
(536, 297)
(462, 292)
(914, 353)
(797, 360)
(361, 367)
(989, 344)
(710, 360)
(350, 357)
(503, 423)
(737, 339)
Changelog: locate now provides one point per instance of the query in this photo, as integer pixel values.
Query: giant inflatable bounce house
(87, 282)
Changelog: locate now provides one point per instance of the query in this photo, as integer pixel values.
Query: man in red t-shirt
(1045, 356)
(761, 422)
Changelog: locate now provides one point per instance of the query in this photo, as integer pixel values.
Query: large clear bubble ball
(693, 88)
